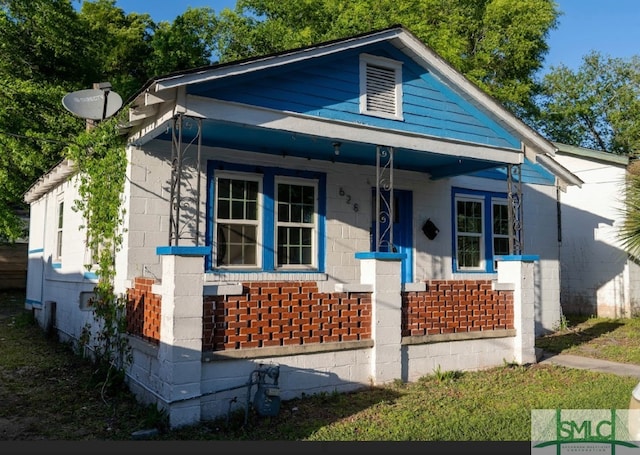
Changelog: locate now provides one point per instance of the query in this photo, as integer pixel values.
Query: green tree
(596, 106)
(187, 42)
(498, 44)
(38, 57)
(41, 40)
(48, 49)
(629, 230)
(118, 45)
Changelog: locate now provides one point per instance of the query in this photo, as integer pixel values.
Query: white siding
(53, 288)
(597, 278)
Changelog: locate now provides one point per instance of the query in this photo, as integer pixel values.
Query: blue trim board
(32, 302)
(380, 256)
(36, 250)
(90, 276)
(519, 257)
(268, 225)
(182, 250)
(56, 265)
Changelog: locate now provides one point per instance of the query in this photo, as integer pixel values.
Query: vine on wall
(99, 157)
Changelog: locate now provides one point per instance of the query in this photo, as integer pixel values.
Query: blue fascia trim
(90, 276)
(36, 250)
(381, 256)
(56, 265)
(182, 250)
(519, 257)
(32, 302)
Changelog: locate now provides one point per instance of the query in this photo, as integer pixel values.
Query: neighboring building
(13, 260)
(13, 266)
(352, 213)
(597, 276)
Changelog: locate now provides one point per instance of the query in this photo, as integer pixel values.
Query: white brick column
(382, 272)
(180, 350)
(519, 270)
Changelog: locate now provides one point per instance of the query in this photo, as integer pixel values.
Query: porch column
(180, 350)
(519, 270)
(382, 271)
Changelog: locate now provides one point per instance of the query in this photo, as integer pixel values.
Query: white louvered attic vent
(381, 90)
(380, 87)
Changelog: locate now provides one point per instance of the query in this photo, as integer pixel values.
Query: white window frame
(258, 223)
(92, 256)
(367, 60)
(314, 225)
(481, 235)
(59, 228)
(497, 201)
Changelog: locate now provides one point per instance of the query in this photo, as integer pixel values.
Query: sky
(611, 27)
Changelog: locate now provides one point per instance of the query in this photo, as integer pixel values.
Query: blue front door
(402, 223)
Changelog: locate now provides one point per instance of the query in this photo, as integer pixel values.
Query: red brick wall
(143, 310)
(295, 313)
(456, 306)
(284, 314)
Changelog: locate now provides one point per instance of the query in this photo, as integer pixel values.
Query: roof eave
(564, 175)
(56, 176)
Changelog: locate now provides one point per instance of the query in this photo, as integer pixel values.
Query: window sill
(228, 276)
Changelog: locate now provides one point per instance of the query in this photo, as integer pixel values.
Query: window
(59, 230)
(296, 223)
(380, 87)
(92, 254)
(501, 237)
(469, 249)
(269, 220)
(237, 220)
(481, 226)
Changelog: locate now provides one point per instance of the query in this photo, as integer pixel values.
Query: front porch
(209, 341)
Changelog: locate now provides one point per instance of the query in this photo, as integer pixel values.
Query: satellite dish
(94, 104)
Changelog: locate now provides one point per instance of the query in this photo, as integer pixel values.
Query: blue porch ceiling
(283, 143)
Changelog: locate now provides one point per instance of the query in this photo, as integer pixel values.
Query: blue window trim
(487, 197)
(269, 175)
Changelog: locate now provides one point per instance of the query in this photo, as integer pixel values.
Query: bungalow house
(345, 214)
(598, 276)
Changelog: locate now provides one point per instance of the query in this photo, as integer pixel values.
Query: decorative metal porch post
(184, 214)
(384, 199)
(514, 196)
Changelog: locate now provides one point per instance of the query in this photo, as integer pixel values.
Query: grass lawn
(617, 340)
